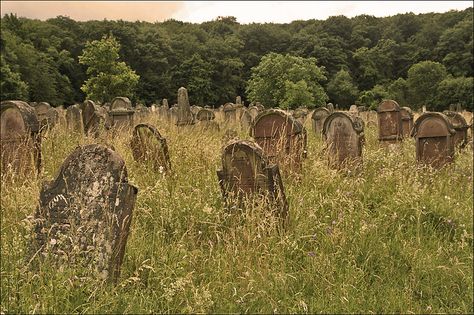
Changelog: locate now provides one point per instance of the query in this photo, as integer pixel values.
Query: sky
(201, 11)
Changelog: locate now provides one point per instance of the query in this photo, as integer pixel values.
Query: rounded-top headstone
(121, 103)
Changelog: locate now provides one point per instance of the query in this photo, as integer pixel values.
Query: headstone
(164, 103)
(423, 109)
(121, 113)
(318, 117)
(330, 107)
(344, 137)
(389, 121)
(85, 213)
(93, 118)
(246, 172)
(300, 115)
(42, 110)
(460, 126)
(185, 117)
(253, 111)
(74, 118)
(260, 107)
(361, 109)
(238, 100)
(206, 118)
(195, 109)
(354, 109)
(173, 115)
(246, 121)
(282, 138)
(434, 137)
(407, 121)
(149, 147)
(229, 113)
(19, 138)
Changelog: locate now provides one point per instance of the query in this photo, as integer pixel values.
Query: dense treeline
(365, 58)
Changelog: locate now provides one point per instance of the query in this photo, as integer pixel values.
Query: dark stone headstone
(390, 122)
(407, 121)
(460, 126)
(149, 147)
(185, 116)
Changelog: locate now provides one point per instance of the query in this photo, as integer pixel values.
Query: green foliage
(342, 90)
(108, 77)
(11, 85)
(372, 98)
(277, 78)
(454, 91)
(398, 90)
(423, 80)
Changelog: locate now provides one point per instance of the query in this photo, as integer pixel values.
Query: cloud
(94, 10)
(200, 11)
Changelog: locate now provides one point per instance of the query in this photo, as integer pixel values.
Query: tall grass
(392, 236)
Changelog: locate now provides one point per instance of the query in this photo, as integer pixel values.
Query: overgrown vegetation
(393, 237)
(214, 59)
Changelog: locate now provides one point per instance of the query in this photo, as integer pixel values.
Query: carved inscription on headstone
(344, 136)
(150, 148)
(434, 139)
(85, 213)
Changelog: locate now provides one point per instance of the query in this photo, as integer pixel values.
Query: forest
(415, 59)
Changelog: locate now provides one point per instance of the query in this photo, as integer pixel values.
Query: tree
(341, 89)
(108, 77)
(276, 79)
(373, 97)
(398, 90)
(454, 91)
(423, 80)
(11, 85)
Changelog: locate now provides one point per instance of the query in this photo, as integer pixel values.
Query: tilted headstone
(94, 118)
(318, 117)
(149, 147)
(121, 113)
(389, 121)
(330, 107)
(282, 138)
(74, 118)
(460, 126)
(185, 117)
(19, 138)
(434, 137)
(300, 114)
(246, 172)
(85, 213)
(407, 121)
(344, 137)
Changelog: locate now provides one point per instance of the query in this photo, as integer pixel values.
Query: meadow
(389, 237)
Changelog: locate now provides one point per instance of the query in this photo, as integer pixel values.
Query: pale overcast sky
(200, 11)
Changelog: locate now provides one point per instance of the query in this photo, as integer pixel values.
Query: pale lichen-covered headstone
(246, 121)
(389, 121)
(229, 113)
(41, 110)
(330, 107)
(85, 213)
(318, 117)
(121, 113)
(460, 126)
(19, 138)
(149, 147)
(74, 118)
(344, 136)
(246, 172)
(407, 121)
(300, 114)
(185, 116)
(434, 137)
(282, 138)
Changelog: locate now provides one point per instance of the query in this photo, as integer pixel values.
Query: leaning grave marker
(94, 118)
(344, 137)
(460, 126)
(85, 213)
(434, 137)
(19, 138)
(149, 147)
(247, 172)
(318, 117)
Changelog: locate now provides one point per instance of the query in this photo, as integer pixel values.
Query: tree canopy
(215, 59)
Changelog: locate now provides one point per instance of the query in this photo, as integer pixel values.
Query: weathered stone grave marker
(74, 118)
(85, 213)
(407, 121)
(121, 113)
(149, 147)
(246, 172)
(94, 118)
(246, 120)
(434, 136)
(19, 138)
(300, 114)
(344, 136)
(229, 113)
(206, 118)
(390, 122)
(282, 138)
(460, 126)
(185, 116)
(318, 117)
